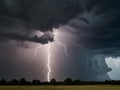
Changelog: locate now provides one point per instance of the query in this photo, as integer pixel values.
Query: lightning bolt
(77, 45)
(48, 60)
(65, 48)
(35, 53)
(49, 56)
(48, 64)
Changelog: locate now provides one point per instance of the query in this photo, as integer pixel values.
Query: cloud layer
(96, 21)
(98, 26)
(29, 15)
(95, 24)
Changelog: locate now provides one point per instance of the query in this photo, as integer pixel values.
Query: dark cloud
(43, 14)
(12, 36)
(36, 14)
(101, 29)
(102, 17)
(96, 24)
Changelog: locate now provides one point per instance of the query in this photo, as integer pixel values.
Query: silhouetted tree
(23, 81)
(35, 82)
(68, 81)
(53, 82)
(14, 82)
(3, 82)
(77, 82)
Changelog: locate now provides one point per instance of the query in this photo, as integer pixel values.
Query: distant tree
(68, 81)
(53, 81)
(77, 82)
(14, 82)
(23, 81)
(3, 82)
(35, 82)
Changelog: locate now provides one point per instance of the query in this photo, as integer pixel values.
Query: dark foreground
(82, 87)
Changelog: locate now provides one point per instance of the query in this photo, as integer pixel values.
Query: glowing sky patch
(57, 34)
(114, 63)
(49, 53)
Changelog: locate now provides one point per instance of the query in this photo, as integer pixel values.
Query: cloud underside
(97, 22)
(100, 31)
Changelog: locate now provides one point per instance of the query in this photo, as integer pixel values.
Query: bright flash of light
(58, 37)
(49, 57)
(57, 34)
(113, 62)
(48, 64)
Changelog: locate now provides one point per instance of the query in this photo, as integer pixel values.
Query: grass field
(84, 87)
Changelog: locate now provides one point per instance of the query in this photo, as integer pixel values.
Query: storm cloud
(12, 36)
(100, 27)
(95, 24)
(43, 15)
(100, 30)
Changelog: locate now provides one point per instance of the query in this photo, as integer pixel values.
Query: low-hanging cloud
(12, 36)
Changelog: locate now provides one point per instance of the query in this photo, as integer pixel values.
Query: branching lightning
(65, 48)
(35, 53)
(48, 63)
(49, 53)
(49, 60)
(77, 45)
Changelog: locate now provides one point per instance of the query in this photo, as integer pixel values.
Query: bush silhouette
(35, 82)
(14, 82)
(68, 81)
(23, 81)
(3, 82)
(53, 81)
(76, 82)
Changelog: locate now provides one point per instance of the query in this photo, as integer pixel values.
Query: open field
(84, 87)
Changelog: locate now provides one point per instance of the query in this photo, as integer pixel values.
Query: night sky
(80, 38)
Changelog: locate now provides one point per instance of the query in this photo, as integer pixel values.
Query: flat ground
(84, 87)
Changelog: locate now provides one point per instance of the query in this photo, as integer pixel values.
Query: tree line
(67, 81)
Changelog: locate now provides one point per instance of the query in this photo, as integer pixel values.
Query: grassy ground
(84, 87)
